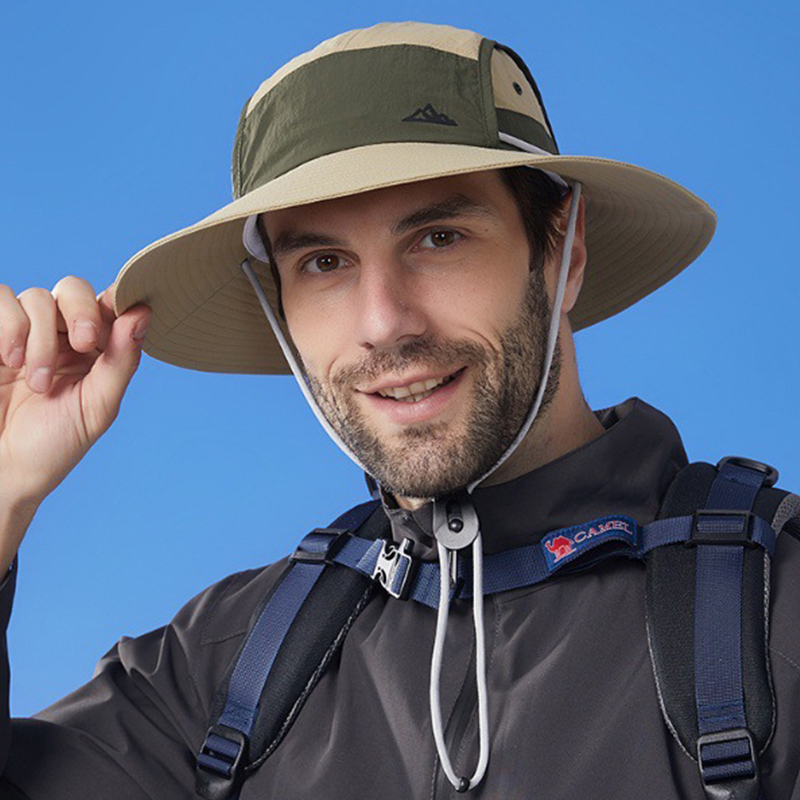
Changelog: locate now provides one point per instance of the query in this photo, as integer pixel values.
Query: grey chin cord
(450, 537)
(448, 566)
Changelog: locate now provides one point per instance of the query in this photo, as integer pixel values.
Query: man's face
(420, 325)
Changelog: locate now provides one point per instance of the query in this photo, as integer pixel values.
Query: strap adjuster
(728, 756)
(320, 546)
(394, 567)
(220, 762)
(723, 527)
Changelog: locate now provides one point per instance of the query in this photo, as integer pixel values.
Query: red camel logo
(560, 547)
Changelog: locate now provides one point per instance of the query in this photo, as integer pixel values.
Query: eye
(439, 239)
(325, 262)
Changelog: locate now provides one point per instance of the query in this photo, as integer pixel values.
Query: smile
(415, 392)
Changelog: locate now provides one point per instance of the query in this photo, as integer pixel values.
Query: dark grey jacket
(573, 707)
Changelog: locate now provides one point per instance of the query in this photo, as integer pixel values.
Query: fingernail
(40, 380)
(141, 329)
(85, 332)
(17, 357)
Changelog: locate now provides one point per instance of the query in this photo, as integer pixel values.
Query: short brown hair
(539, 201)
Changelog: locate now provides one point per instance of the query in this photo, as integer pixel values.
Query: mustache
(426, 352)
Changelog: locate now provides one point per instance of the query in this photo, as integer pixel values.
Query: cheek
(483, 303)
(319, 336)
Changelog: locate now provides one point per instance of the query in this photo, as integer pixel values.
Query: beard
(432, 459)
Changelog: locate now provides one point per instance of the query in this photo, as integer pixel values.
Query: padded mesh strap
(223, 755)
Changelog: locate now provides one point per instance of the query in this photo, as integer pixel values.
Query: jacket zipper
(462, 721)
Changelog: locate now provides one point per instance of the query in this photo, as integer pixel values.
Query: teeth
(414, 392)
(415, 398)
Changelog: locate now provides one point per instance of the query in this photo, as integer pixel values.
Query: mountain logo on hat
(430, 114)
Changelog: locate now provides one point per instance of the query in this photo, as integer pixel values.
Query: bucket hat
(381, 106)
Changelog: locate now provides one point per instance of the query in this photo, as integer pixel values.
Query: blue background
(117, 126)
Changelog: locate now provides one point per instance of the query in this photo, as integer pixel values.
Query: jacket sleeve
(133, 731)
(6, 598)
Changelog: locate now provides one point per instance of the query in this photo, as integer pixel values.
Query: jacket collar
(625, 470)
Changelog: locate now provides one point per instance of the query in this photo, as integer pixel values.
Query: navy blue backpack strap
(707, 619)
(306, 615)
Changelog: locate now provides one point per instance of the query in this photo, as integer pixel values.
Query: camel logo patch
(565, 545)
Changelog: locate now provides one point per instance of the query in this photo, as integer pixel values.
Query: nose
(388, 306)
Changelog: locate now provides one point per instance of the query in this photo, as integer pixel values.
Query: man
(423, 283)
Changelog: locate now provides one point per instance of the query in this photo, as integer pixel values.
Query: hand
(65, 363)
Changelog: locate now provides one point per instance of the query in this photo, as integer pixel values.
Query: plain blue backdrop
(117, 126)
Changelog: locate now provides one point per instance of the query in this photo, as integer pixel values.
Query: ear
(577, 264)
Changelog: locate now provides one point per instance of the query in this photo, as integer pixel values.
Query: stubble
(431, 459)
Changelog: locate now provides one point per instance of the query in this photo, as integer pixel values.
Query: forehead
(388, 205)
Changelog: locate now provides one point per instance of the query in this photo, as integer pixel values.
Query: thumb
(110, 375)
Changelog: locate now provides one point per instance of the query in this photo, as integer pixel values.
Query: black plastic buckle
(220, 765)
(703, 528)
(757, 466)
(338, 539)
(722, 764)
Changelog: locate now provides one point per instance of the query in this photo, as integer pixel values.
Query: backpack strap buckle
(722, 526)
(728, 756)
(394, 567)
(220, 762)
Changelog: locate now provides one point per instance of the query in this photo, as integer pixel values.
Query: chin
(424, 464)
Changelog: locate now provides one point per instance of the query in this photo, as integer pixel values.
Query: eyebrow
(288, 241)
(456, 206)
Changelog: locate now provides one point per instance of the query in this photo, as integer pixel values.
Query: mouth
(423, 399)
(417, 391)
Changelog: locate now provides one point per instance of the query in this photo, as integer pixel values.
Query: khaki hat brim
(642, 229)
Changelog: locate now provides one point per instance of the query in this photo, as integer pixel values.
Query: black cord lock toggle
(455, 521)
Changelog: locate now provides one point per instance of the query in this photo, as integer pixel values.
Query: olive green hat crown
(397, 82)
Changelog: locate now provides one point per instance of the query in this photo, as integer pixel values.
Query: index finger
(78, 307)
